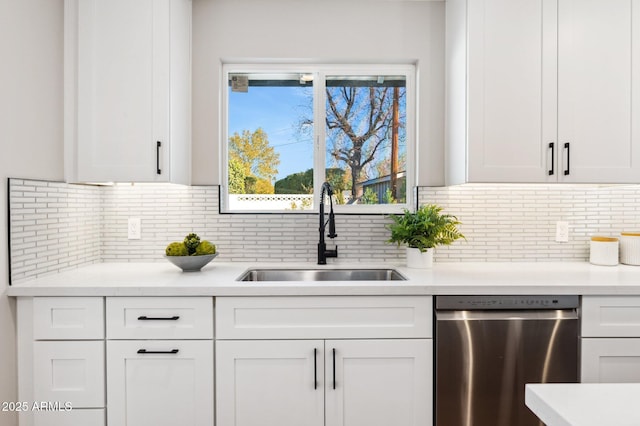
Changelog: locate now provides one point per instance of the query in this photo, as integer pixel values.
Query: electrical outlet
(133, 228)
(562, 232)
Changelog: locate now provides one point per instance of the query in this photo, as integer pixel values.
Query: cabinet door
(69, 372)
(270, 383)
(171, 384)
(607, 360)
(123, 88)
(598, 93)
(379, 382)
(128, 90)
(511, 90)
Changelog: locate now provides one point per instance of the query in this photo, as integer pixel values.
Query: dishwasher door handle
(518, 314)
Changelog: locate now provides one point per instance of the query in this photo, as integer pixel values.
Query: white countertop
(585, 404)
(219, 279)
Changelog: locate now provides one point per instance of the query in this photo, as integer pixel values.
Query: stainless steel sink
(384, 274)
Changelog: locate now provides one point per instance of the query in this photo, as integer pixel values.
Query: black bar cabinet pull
(158, 145)
(566, 146)
(315, 369)
(334, 368)
(553, 160)
(146, 318)
(172, 351)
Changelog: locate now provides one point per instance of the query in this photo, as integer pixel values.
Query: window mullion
(319, 173)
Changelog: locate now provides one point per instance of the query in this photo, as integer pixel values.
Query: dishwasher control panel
(515, 302)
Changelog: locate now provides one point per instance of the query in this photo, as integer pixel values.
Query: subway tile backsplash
(53, 226)
(56, 226)
(517, 222)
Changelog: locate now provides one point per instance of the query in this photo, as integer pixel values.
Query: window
(290, 128)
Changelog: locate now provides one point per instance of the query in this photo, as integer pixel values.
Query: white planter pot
(418, 260)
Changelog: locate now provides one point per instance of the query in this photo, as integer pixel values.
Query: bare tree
(358, 120)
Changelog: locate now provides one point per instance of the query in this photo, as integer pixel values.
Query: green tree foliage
(369, 197)
(387, 198)
(338, 179)
(237, 176)
(296, 183)
(302, 182)
(252, 161)
(250, 184)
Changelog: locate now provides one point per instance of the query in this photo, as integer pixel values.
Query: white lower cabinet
(61, 363)
(610, 339)
(270, 382)
(610, 360)
(160, 361)
(378, 382)
(369, 362)
(160, 383)
(71, 372)
(280, 361)
(316, 383)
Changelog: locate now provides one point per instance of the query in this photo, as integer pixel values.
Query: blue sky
(277, 110)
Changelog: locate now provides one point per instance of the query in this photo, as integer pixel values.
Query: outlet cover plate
(562, 232)
(133, 228)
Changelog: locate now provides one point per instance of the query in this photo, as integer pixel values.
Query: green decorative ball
(176, 249)
(205, 247)
(191, 242)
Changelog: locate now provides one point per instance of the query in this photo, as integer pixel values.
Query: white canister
(604, 251)
(630, 248)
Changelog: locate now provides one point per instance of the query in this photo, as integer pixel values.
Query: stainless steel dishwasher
(488, 347)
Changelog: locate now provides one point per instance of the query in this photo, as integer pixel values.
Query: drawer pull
(315, 369)
(158, 146)
(144, 351)
(334, 368)
(568, 169)
(146, 318)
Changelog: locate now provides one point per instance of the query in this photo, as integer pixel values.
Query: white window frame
(320, 71)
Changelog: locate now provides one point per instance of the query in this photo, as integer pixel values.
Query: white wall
(321, 31)
(31, 140)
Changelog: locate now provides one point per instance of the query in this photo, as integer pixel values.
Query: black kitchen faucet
(323, 253)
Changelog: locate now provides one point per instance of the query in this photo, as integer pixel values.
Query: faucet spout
(323, 253)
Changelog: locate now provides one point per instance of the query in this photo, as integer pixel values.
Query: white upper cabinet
(598, 97)
(506, 85)
(542, 91)
(128, 90)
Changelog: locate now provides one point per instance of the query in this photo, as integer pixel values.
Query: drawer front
(323, 317)
(68, 318)
(69, 372)
(75, 417)
(610, 316)
(610, 360)
(160, 383)
(159, 318)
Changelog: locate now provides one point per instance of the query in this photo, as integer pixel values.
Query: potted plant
(421, 231)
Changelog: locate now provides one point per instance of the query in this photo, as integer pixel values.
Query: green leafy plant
(424, 229)
(369, 197)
